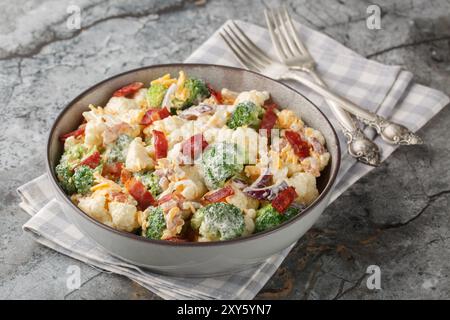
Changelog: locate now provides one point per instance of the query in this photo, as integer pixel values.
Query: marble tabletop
(397, 217)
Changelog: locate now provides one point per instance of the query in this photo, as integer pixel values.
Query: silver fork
(255, 59)
(294, 54)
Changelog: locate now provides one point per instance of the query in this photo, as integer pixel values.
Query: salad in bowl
(178, 160)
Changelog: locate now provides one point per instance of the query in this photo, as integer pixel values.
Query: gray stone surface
(397, 217)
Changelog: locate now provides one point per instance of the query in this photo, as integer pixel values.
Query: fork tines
(244, 49)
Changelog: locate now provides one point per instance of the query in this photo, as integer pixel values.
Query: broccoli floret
(221, 161)
(155, 223)
(76, 151)
(65, 177)
(291, 212)
(83, 179)
(117, 152)
(155, 95)
(219, 221)
(73, 154)
(151, 182)
(197, 91)
(267, 217)
(69, 160)
(246, 114)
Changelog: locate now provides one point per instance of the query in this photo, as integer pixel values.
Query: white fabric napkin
(387, 90)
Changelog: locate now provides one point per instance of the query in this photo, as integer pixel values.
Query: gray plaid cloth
(387, 90)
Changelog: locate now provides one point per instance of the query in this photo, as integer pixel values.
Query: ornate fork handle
(392, 132)
(359, 145)
(389, 131)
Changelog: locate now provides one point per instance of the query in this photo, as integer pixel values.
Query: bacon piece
(194, 146)
(128, 90)
(161, 144)
(150, 116)
(140, 194)
(112, 170)
(154, 114)
(300, 146)
(219, 195)
(270, 105)
(164, 113)
(76, 133)
(137, 190)
(215, 94)
(171, 196)
(284, 199)
(92, 161)
(165, 198)
(268, 121)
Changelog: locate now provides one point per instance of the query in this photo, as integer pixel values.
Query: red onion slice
(263, 180)
(267, 193)
(239, 183)
(196, 111)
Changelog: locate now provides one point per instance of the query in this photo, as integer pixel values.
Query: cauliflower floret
(184, 132)
(174, 154)
(288, 120)
(117, 105)
(240, 199)
(132, 117)
(305, 186)
(96, 113)
(166, 125)
(140, 97)
(278, 170)
(310, 132)
(94, 133)
(247, 138)
(257, 97)
(114, 131)
(192, 187)
(187, 188)
(249, 220)
(228, 96)
(311, 165)
(95, 206)
(124, 216)
(219, 118)
(323, 160)
(290, 160)
(137, 157)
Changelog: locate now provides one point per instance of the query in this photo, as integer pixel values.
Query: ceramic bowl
(206, 258)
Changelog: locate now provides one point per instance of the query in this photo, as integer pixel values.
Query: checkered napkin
(388, 90)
